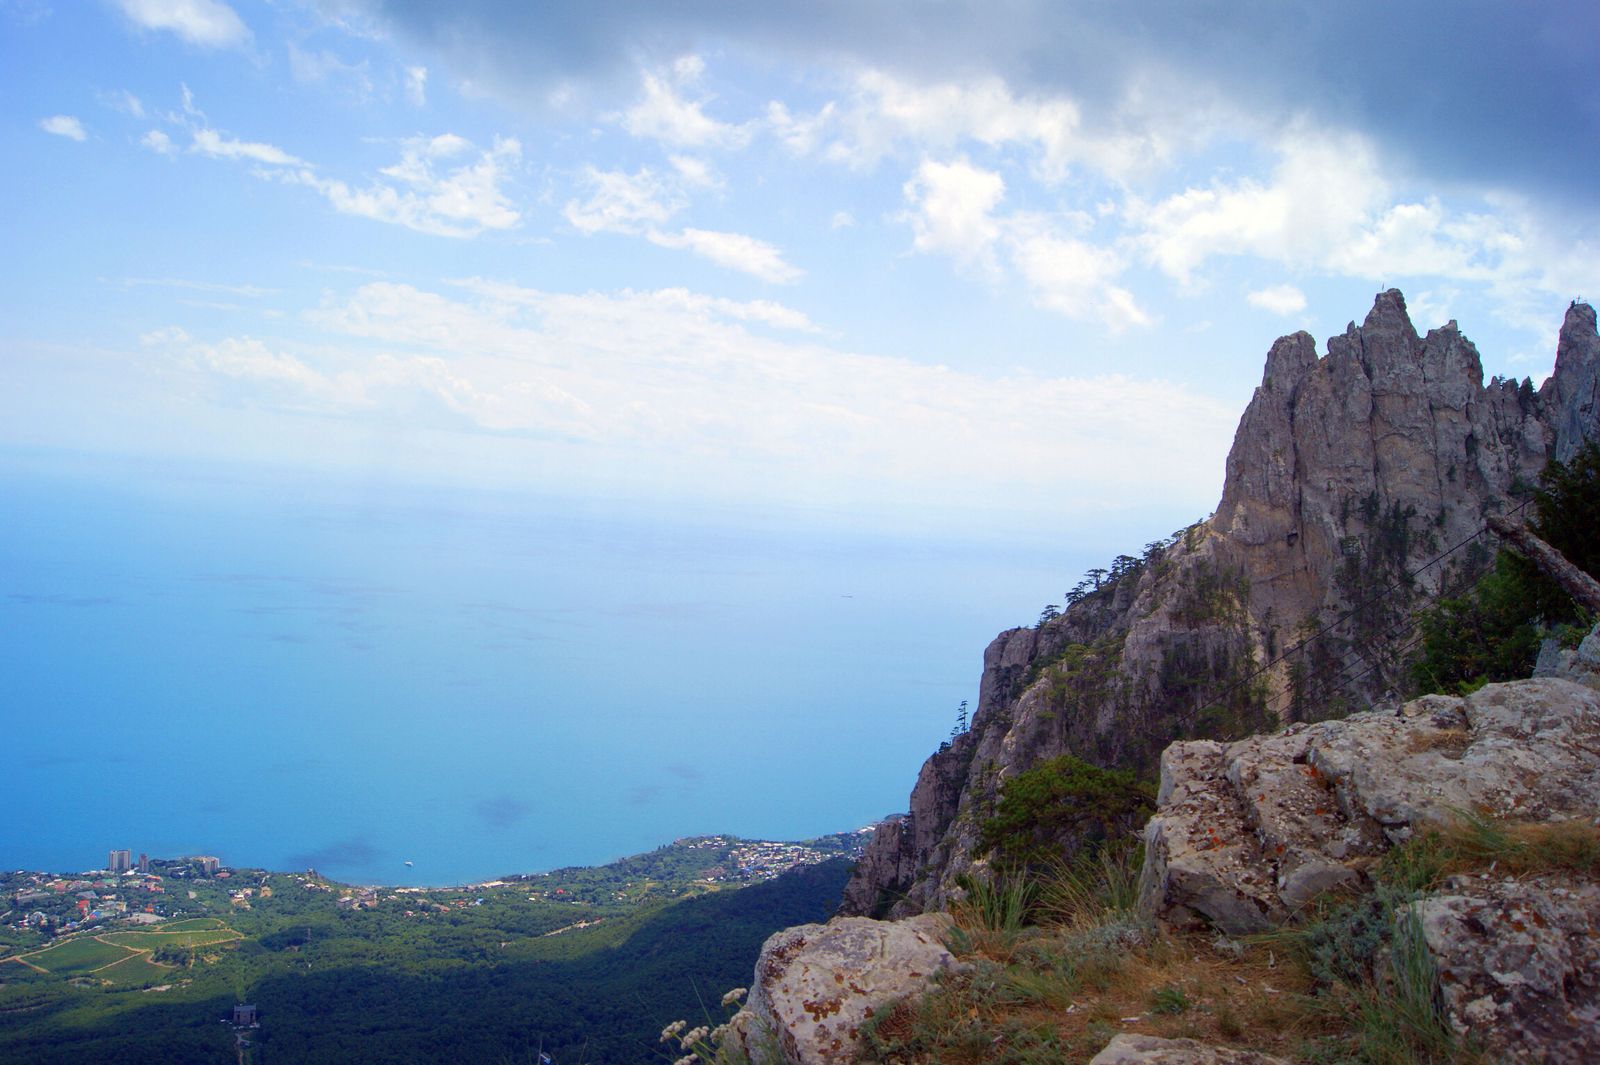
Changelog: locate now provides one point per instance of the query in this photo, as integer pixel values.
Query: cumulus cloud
(64, 126)
(667, 115)
(952, 211)
(1279, 299)
(208, 23)
(623, 203)
(1075, 278)
(426, 192)
(1327, 207)
(1322, 189)
(884, 114)
(158, 142)
(951, 207)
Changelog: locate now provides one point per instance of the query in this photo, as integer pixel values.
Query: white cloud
(1073, 277)
(417, 85)
(841, 220)
(623, 203)
(64, 126)
(249, 358)
(1279, 299)
(885, 114)
(209, 23)
(733, 250)
(460, 201)
(210, 142)
(1326, 207)
(159, 143)
(673, 385)
(664, 114)
(694, 172)
(766, 312)
(800, 135)
(952, 205)
(1323, 188)
(953, 212)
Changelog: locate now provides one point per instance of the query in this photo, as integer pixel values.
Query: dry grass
(1452, 743)
(1052, 1000)
(1523, 849)
(1059, 969)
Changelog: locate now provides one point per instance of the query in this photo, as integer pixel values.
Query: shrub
(1061, 805)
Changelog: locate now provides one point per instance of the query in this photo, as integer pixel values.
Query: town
(132, 891)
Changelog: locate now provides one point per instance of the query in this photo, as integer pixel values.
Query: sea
(404, 685)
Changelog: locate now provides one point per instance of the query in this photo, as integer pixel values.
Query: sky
(994, 265)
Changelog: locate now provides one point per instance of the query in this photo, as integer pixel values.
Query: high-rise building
(144, 863)
(208, 865)
(120, 861)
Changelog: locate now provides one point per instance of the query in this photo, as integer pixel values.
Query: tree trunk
(1576, 583)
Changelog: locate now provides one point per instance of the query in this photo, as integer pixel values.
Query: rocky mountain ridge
(1356, 489)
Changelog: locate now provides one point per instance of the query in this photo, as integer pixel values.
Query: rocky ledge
(1248, 834)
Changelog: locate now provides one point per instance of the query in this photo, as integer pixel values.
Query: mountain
(1356, 490)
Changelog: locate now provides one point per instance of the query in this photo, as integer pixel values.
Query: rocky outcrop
(815, 985)
(1151, 1050)
(1247, 834)
(1581, 664)
(1357, 486)
(1519, 966)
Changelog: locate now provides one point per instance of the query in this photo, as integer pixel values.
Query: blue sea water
(349, 676)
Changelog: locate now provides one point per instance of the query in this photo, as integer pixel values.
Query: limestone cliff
(1350, 475)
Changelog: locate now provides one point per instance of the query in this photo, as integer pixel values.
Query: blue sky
(954, 262)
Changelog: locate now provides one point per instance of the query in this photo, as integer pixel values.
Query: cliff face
(1350, 475)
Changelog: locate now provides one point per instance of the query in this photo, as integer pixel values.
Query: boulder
(1580, 664)
(1519, 966)
(816, 984)
(1247, 833)
(1151, 1050)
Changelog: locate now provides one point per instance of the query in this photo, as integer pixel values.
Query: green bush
(1061, 806)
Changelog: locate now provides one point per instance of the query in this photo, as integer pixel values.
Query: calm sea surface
(351, 678)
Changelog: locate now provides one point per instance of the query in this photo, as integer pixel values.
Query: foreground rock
(1151, 1050)
(1581, 664)
(816, 984)
(1519, 966)
(1247, 834)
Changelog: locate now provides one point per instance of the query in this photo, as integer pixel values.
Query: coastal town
(145, 891)
(133, 890)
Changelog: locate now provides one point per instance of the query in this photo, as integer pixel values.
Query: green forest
(587, 964)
